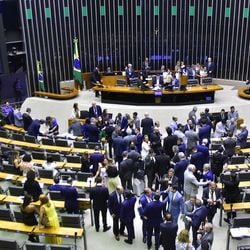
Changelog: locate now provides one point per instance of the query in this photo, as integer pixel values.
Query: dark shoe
(117, 237)
(97, 229)
(106, 228)
(226, 220)
(149, 246)
(128, 242)
(144, 239)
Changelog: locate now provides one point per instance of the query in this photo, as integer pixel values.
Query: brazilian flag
(77, 74)
(41, 86)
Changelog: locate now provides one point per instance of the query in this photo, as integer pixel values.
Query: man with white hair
(191, 184)
(206, 238)
(242, 136)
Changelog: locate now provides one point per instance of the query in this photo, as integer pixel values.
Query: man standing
(144, 200)
(242, 136)
(95, 110)
(212, 199)
(189, 208)
(126, 171)
(168, 233)
(206, 238)
(27, 120)
(128, 214)
(175, 203)
(147, 125)
(153, 215)
(114, 204)
(100, 195)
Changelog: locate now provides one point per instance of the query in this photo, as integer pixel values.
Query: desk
(9, 177)
(236, 206)
(59, 164)
(245, 150)
(136, 96)
(15, 226)
(56, 148)
(238, 167)
(14, 128)
(111, 80)
(241, 185)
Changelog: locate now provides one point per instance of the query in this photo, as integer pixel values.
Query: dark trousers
(170, 247)
(118, 226)
(104, 218)
(156, 229)
(127, 184)
(211, 211)
(150, 180)
(144, 228)
(195, 229)
(131, 230)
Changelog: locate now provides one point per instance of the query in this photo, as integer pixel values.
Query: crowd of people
(165, 170)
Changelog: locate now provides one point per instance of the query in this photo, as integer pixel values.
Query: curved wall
(115, 32)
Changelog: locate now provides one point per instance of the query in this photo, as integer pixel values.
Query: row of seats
(50, 141)
(242, 176)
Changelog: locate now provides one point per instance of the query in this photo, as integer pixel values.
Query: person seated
(175, 84)
(109, 72)
(50, 165)
(157, 82)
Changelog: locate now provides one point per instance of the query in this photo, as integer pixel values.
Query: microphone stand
(229, 226)
(75, 240)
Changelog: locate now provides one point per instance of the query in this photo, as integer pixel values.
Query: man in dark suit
(95, 158)
(92, 131)
(127, 215)
(153, 214)
(229, 144)
(95, 110)
(197, 160)
(143, 201)
(34, 128)
(242, 136)
(168, 233)
(204, 132)
(27, 120)
(70, 195)
(147, 124)
(114, 204)
(212, 199)
(189, 207)
(100, 195)
(169, 142)
(198, 216)
(206, 237)
(126, 171)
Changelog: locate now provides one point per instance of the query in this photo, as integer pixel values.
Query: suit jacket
(168, 234)
(180, 168)
(27, 120)
(95, 112)
(34, 128)
(197, 159)
(192, 138)
(168, 144)
(70, 194)
(128, 210)
(153, 211)
(114, 205)
(206, 241)
(191, 184)
(93, 132)
(176, 205)
(205, 152)
(94, 159)
(119, 146)
(205, 197)
(198, 216)
(126, 169)
(162, 164)
(229, 145)
(100, 195)
(242, 138)
(147, 125)
(188, 210)
(95, 76)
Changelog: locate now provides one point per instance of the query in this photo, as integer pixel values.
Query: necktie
(212, 195)
(120, 198)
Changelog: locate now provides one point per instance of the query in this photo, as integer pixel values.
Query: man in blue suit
(198, 216)
(95, 110)
(127, 215)
(34, 128)
(100, 195)
(168, 233)
(204, 131)
(114, 204)
(175, 203)
(153, 214)
(143, 201)
(96, 158)
(242, 136)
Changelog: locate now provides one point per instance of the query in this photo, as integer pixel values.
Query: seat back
(30, 138)
(8, 168)
(84, 114)
(45, 173)
(18, 216)
(244, 176)
(54, 156)
(243, 247)
(8, 244)
(16, 191)
(60, 247)
(5, 215)
(71, 220)
(35, 246)
(61, 143)
(38, 155)
(238, 160)
(47, 141)
(241, 222)
(79, 144)
(65, 175)
(3, 134)
(73, 158)
(92, 145)
(56, 196)
(83, 176)
(17, 137)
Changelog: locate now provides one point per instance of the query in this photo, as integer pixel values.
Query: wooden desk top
(15, 226)
(59, 164)
(241, 185)
(56, 148)
(134, 90)
(238, 166)
(245, 150)
(2, 197)
(5, 140)
(72, 165)
(59, 231)
(25, 144)
(7, 176)
(14, 128)
(237, 206)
